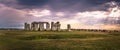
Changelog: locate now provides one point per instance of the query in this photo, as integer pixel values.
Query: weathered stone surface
(55, 26)
(47, 26)
(34, 26)
(41, 26)
(52, 26)
(26, 26)
(58, 26)
(69, 27)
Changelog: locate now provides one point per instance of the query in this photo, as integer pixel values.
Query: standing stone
(58, 26)
(47, 26)
(68, 27)
(41, 26)
(34, 26)
(27, 26)
(55, 26)
(52, 26)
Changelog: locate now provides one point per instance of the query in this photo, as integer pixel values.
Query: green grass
(74, 40)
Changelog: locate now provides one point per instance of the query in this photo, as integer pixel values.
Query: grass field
(74, 40)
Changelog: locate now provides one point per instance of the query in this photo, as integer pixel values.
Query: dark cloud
(57, 5)
(33, 2)
(62, 5)
(12, 13)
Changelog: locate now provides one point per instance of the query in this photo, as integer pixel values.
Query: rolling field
(74, 40)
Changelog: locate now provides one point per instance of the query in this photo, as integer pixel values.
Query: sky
(81, 14)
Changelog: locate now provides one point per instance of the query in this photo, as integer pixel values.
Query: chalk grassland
(74, 40)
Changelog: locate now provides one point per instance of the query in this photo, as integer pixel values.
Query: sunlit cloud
(85, 19)
(38, 13)
(114, 12)
(92, 14)
(61, 14)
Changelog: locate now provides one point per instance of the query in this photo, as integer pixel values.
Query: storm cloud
(57, 5)
(13, 13)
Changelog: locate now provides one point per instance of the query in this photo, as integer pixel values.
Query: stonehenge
(46, 26)
(42, 26)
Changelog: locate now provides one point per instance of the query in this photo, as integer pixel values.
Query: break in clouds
(94, 14)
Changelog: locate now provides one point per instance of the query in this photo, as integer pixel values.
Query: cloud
(60, 14)
(32, 2)
(10, 17)
(56, 5)
(37, 13)
(95, 19)
(78, 12)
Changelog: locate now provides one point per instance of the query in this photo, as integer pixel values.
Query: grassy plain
(74, 40)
